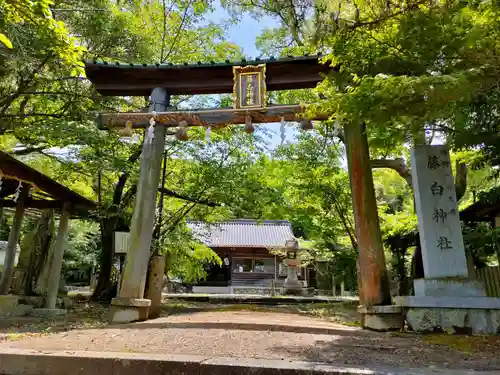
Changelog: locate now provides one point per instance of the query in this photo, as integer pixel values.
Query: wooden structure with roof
(246, 247)
(485, 209)
(249, 82)
(24, 188)
(45, 192)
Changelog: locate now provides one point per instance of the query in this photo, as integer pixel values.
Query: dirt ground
(288, 333)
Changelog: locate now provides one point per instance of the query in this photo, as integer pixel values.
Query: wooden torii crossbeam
(208, 117)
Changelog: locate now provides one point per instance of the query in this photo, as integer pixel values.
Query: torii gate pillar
(130, 305)
(372, 272)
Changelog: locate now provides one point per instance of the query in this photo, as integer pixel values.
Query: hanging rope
(127, 131)
(181, 132)
(249, 128)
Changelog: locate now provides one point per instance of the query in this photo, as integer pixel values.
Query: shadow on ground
(259, 335)
(86, 315)
(240, 326)
(407, 350)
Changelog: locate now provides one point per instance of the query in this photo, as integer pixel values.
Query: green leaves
(5, 41)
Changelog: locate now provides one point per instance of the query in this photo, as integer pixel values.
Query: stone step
(15, 361)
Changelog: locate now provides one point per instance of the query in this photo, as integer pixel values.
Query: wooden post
(59, 246)
(130, 305)
(155, 283)
(374, 287)
(93, 278)
(14, 234)
(334, 286)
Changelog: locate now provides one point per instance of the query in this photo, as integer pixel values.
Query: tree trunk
(44, 261)
(417, 266)
(105, 283)
(105, 289)
(34, 250)
(460, 179)
(401, 270)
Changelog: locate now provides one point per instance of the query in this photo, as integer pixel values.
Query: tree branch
(173, 194)
(177, 34)
(118, 193)
(28, 150)
(25, 82)
(460, 179)
(398, 164)
(372, 23)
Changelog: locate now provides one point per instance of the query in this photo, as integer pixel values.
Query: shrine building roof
(284, 73)
(243, 233)
(485, 211)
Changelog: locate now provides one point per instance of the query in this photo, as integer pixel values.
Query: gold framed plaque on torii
(249, 87)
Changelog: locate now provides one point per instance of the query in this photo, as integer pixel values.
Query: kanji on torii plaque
(249, 86)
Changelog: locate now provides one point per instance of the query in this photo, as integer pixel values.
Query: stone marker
(445, 299)
(443, 253)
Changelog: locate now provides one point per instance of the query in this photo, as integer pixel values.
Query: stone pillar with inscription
(443, 253)
(446, 299)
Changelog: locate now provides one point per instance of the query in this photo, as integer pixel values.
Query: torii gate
(249, 82)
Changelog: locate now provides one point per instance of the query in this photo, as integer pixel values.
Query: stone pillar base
(10, 306)
(293, 291)
(292, 285)
(382, 318)
(127, 310)
(457, 315)
(452, 287)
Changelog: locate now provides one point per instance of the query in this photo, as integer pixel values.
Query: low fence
(490, 277)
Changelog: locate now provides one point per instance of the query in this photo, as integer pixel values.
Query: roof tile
(243, 233)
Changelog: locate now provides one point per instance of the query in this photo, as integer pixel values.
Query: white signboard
(121, 242)
(443, 251)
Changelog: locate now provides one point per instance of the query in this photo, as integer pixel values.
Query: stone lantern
(292, 284)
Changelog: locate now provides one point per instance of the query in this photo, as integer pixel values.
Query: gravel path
(266, 335)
